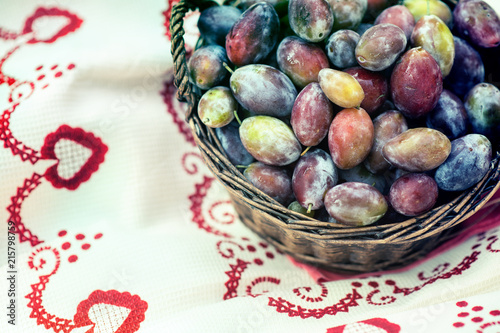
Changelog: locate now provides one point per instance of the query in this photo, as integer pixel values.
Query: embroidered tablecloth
(112, 223)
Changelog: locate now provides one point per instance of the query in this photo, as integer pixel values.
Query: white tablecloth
(120, 226)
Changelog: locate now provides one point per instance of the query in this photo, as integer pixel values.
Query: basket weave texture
(329, 246)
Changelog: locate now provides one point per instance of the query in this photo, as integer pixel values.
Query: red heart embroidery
(369, 326)
(73, 23)
(86, 139)
(133, 303)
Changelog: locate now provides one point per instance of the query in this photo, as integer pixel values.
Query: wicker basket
(326, 245)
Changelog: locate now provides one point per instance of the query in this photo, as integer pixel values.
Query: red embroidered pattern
(131, 324)
(38, 312)
(459, 269)
(490, 248)
(260, 280)
(79, 239)
(86, 139)
(196, 207)
(324, 293)
(227, 252)
(15, 96)
(192, 168)
(21, 90)
(476, 315)
(381, 323)
(384, 300)
(228, 216)
(15, 210)
(8, 35)
(137, 306)
(226, 248)
(45, 258)
(168, 94)
(292, 310)
(440, 272)
(39, 259)
(234, 278)
(9, 142)
(74, 22)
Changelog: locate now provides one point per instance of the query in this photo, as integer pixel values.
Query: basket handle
(186, 91)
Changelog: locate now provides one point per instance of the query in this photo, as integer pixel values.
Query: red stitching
(196, 207)
(229, 252)
(260, 280)
(234, 278)
(8, 35)
(230, 216)
(74, 23)
(384, 300)
(490, 245)
(17, 147)
(438, 270)
(15, 209)
(458, 270)
(324, 293)
(168, 94)
(382, 323)
(192, 168)
(38, 312)
(86, 139)
(137, 306)
(292, 310)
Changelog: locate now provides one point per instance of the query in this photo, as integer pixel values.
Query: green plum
(270, 140)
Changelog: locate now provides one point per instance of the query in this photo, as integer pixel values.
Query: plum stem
(239, 166)
(305, 150)
(227, 67)
(379, 97)
(309, 208)
(236, 116)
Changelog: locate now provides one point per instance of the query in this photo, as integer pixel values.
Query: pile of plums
(348, 110)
